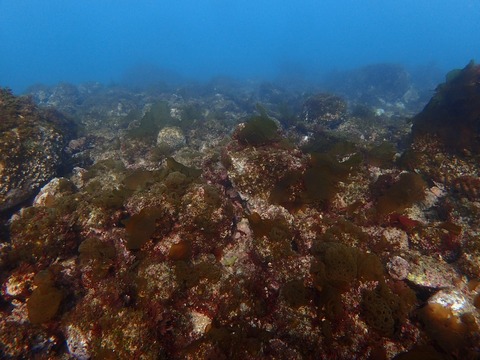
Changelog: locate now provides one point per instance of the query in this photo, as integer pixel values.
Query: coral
(385, 310)
(468, 186)
(380, 306)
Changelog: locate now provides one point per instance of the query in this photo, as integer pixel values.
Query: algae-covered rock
(325, 110)
(171, 138)
(31, 147)
(453, 113)
(409, 189)
(258, 130)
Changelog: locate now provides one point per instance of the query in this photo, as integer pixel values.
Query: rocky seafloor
(242, 221)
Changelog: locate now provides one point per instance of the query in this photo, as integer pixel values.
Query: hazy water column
(58, 40)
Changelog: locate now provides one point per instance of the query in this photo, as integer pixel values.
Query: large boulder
(452, 117)
(323, 111)
(31, 147)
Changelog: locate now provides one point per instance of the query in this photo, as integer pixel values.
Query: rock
(77, 342)
(31, 147)
(454, 300)
(451, 116)
(429, 272)
(326, 110)
(48, 193)
(171, 137)
(398, 268)
(376, 84)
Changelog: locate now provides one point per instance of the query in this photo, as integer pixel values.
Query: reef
(227, 221)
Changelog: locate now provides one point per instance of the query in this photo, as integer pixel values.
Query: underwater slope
(202, 226)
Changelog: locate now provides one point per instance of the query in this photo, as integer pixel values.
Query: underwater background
(51, 41)
(240, 180)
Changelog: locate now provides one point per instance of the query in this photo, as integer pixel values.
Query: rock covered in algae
(452, 115)
(171, 138)
(325, 110)
(31, 147)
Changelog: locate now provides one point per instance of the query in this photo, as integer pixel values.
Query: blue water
(100, 40)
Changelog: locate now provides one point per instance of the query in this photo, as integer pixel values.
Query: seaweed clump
(45, 300)
(331, 161)
(140, 227)
(273, 237)
(408, 190)
(384, 310)
(337, 267)
(151, 123)
(452, 333)
(258, 130)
